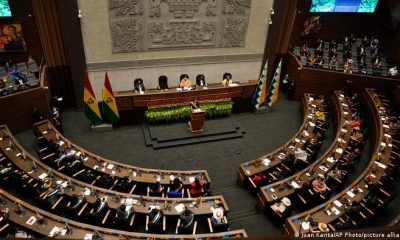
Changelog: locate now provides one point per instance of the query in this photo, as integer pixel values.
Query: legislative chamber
(199, 119)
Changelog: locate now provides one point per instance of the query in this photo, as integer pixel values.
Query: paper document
(180, 207)
(337, 203)
(351, 194)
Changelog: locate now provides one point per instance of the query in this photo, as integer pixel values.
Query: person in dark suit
(155, 215)
(123, 213)
(139, 85)
(156, 190)
(195, 104)
(20, 82)
(201, 81)
(100, 206)
(187, 219)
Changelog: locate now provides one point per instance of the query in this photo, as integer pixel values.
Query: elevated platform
(177, 134)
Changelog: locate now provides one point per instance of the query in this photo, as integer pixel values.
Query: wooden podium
(197, 118)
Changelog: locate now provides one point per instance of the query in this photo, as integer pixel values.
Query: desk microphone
(68, 229)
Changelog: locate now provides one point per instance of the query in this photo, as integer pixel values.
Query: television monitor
(348, 6)
(5, 10)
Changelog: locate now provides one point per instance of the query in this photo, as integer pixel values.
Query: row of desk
(272, 193)
(274, 158)
(48, 133)
(38, 172)
(128, 100)
(333, 209)
(72, 186)
(59, 227)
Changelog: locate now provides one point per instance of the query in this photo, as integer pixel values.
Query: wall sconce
(270, 21)
(272, 11)
(79, 13)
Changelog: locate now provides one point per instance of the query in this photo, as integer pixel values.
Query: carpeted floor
(264, 133)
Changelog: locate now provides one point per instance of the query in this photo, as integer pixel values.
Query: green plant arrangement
(181, 112)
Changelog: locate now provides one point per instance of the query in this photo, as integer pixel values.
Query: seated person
(123, 213)
(196, 188)
(105, 181)
(355, 123)
(157, 189)
(53, 192)
(77, 201)
(259, 179)
(155, 215)
(319, 185)
(187, 219)
(201, 81)
(392, 71)
(20, 82)
(227, 79)
(218, 215)
(300, 154)
(320, 115)
(195, 104)
(282, 206)
(100, 206)
(335, 173)
(185, 81)
(289, 160)
(176, 187)
(139, 86)
(125, 185)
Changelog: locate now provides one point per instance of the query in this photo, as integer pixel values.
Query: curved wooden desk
(272, 193)
(128, 100)
(356, 191)
(79, 230)
(249, 169)
(42, 171)
(104, 166)
(395, 222)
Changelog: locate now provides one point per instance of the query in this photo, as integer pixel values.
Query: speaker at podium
(197, 118)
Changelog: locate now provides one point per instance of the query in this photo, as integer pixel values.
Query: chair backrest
(221, 227)
(163, 82)
(155, 227)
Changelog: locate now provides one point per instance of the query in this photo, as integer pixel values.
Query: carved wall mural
(143, 25)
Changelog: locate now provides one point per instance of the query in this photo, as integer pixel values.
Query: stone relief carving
(236, 6)
(126, 7)
(177, 24)
(127, 35)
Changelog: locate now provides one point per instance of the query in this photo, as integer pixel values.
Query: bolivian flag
(109, 106)
(261, 90)
(273, 91)
(92, 111)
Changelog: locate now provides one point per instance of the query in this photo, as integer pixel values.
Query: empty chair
(163, 82)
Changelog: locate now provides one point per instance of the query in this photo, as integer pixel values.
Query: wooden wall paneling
(71, 31)
(312, 80)
(54, 48)
(16, 109)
